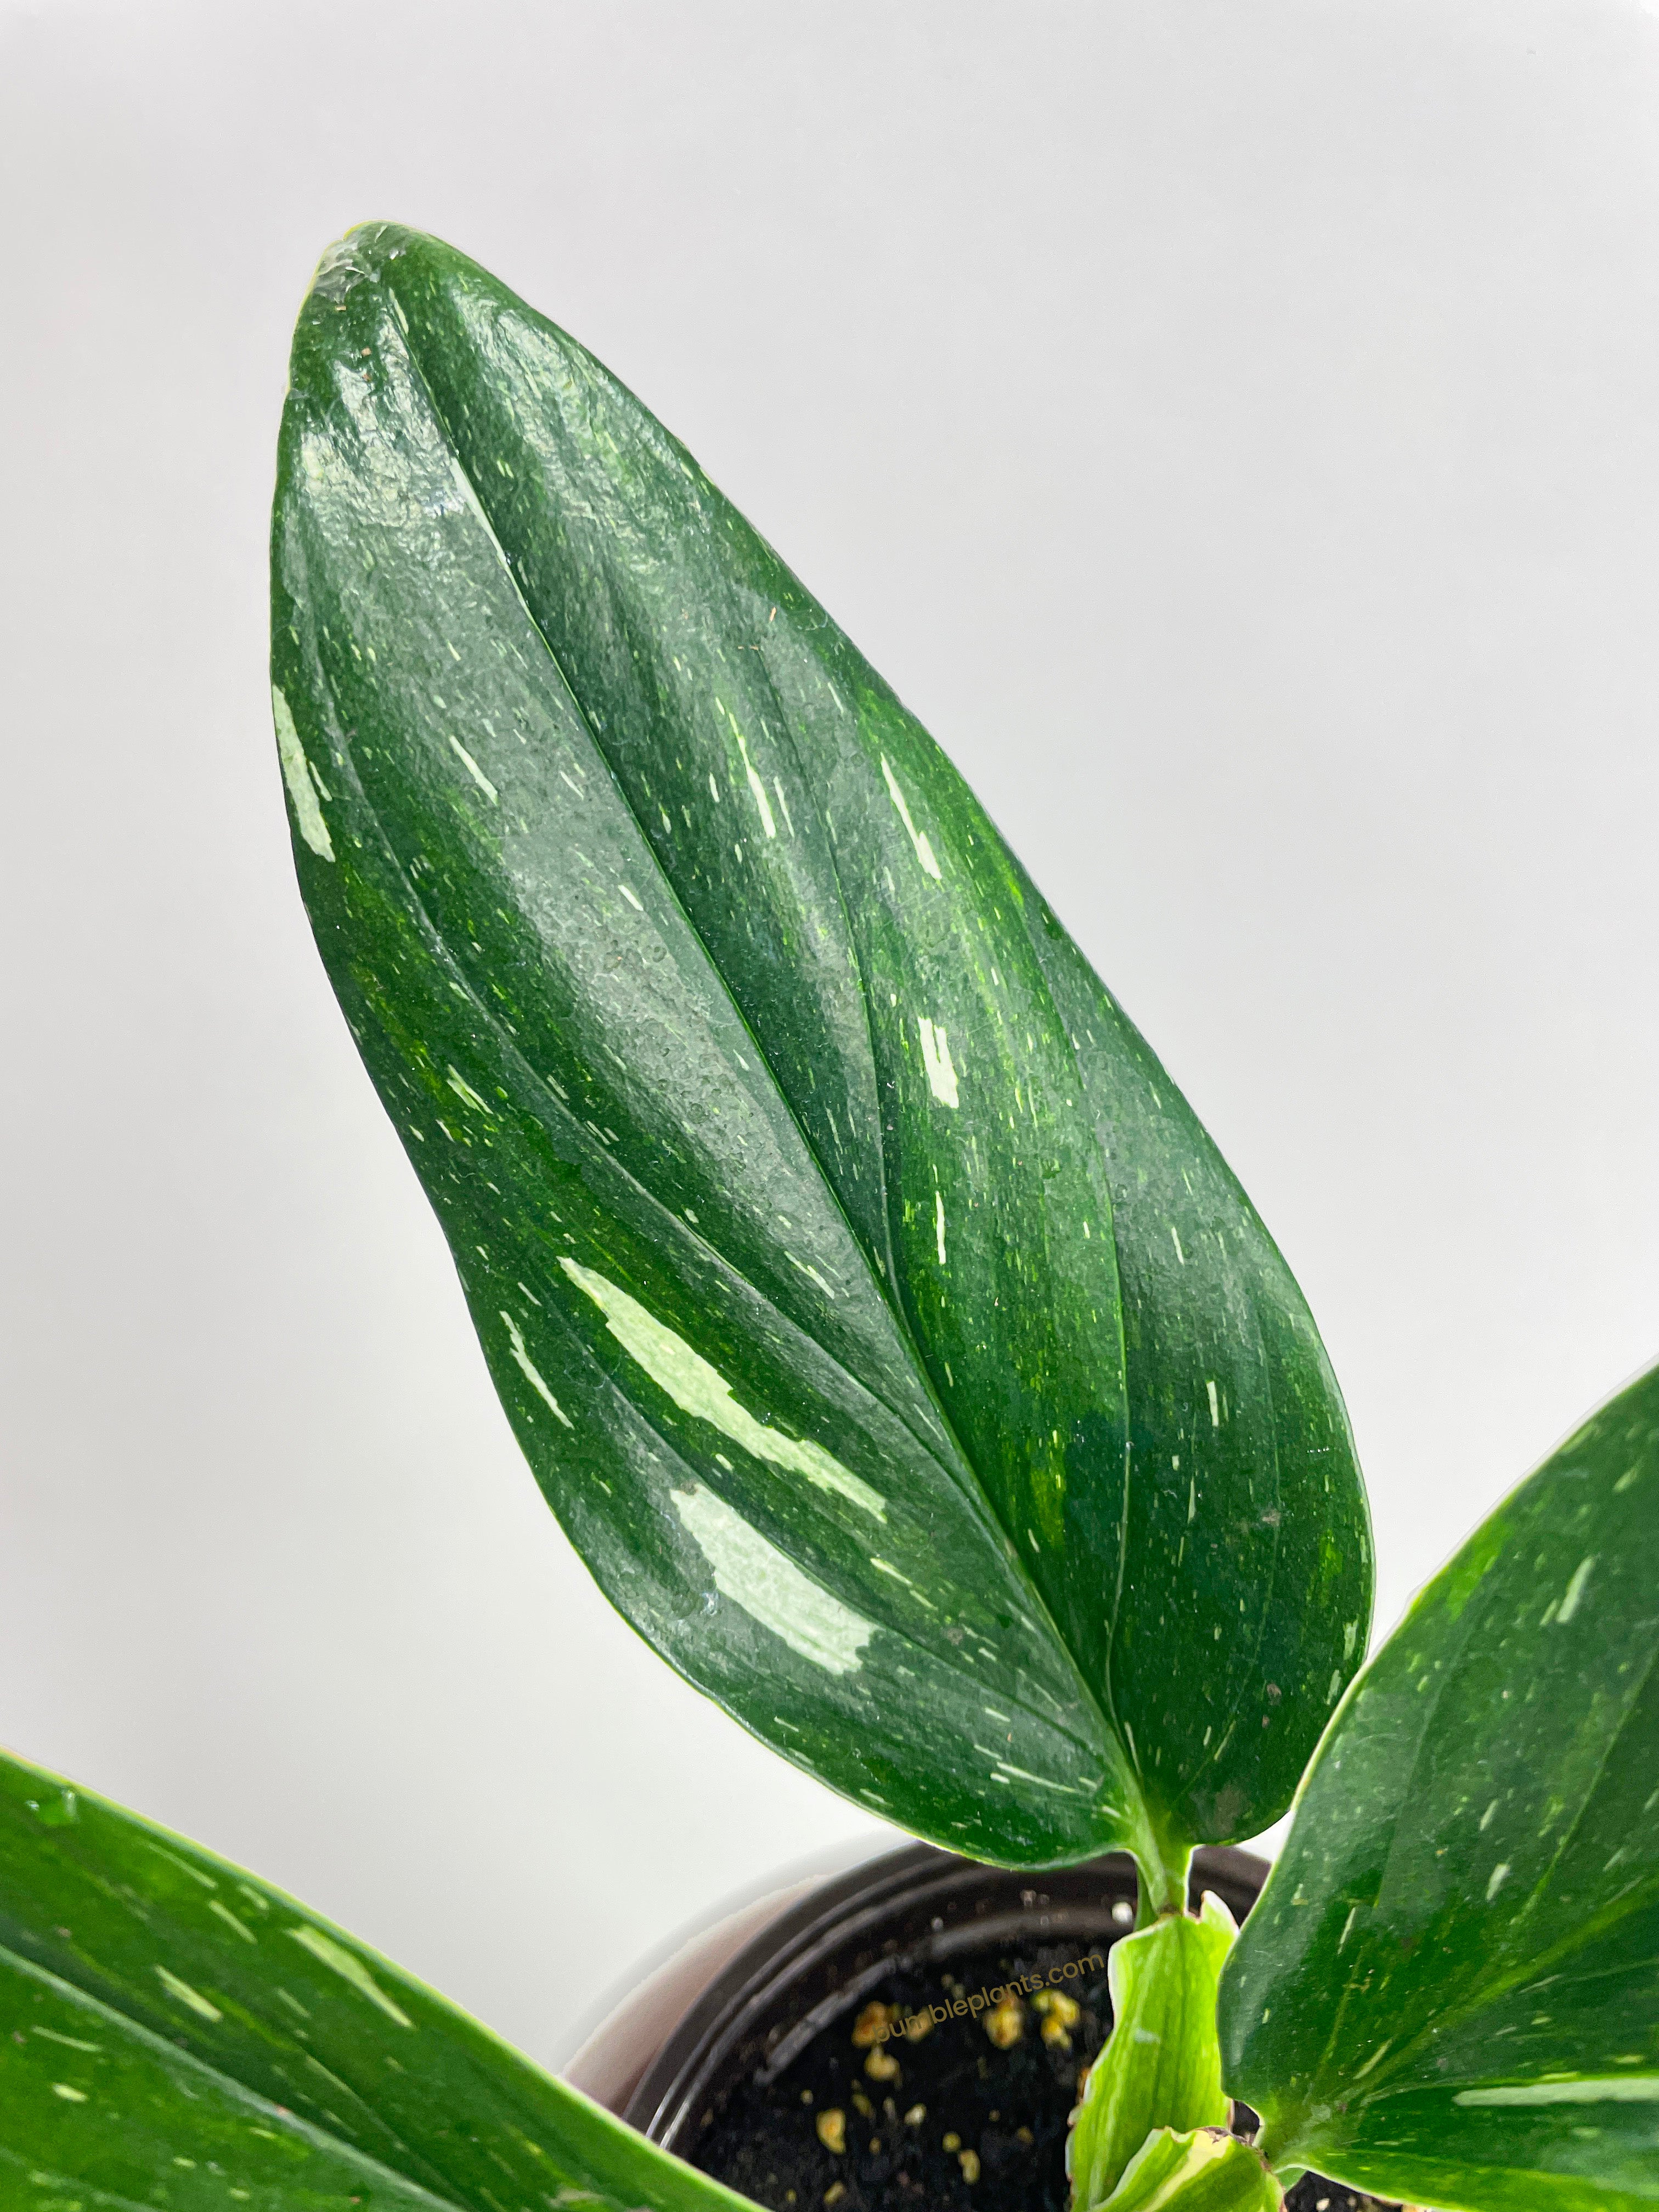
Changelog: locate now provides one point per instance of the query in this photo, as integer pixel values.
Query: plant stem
(1162, 1865)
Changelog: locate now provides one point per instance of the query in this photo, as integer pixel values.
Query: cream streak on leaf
(936, 1059)
(770, 1587)
(918, 838)
(475, 771)
(1600, 2089)
(698, 1388)
(532, 1373)
(768, 821)
(297, 776)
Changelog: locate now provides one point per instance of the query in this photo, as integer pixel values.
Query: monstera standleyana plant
(901, 1358)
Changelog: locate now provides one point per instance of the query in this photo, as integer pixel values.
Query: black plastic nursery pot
(757, 2054)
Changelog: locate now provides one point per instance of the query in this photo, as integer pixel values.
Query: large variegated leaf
(175, 2032)
(877, 1317)
(1450, 1989)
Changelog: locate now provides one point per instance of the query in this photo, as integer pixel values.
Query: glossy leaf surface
(1205, 2170)
(176, 2032)
(1161, 2067)
(882, 1326)
(1449, 1989)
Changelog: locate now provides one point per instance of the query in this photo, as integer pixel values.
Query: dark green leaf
(1205, 2170)
(177, 2033)
(880, 1323)
(1450, 1989)
(1161, 2067)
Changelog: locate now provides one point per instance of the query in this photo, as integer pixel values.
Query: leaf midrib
(1234, 1707)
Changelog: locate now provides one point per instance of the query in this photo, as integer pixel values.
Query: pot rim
(676, 2084)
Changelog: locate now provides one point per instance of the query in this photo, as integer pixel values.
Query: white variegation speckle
(530, 1373)
(224, 1913)
(758, 789)
(1575, 1591)
(474, 770)
(186, 1996)
(1042, 1781)
(351, 1968)
(884, 1567)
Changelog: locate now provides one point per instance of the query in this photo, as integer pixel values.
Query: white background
(1232, 427)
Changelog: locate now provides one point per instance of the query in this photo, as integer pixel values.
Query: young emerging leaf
(1161, 2067)
(886, 1333)
(178, 2033)
(1205, 2170)
(1448, 1990)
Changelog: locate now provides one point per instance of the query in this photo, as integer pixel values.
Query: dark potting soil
(968, 2117)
